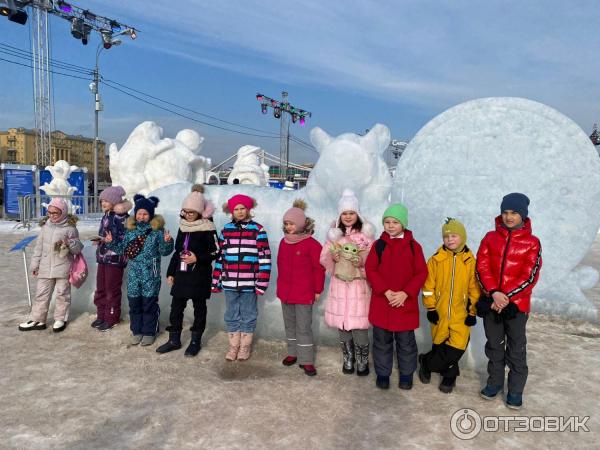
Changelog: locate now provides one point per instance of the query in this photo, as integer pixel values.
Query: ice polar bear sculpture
(466, 159)
(59, 185)
(147, 161)
(247, 168)
(351, 161)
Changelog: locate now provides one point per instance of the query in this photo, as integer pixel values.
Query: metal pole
(96, 112)
(27, 278)
(284, 136)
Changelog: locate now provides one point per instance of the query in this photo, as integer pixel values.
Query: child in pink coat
(348, 299)
(300, 281)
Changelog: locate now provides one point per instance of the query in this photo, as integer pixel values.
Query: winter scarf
(197, 225)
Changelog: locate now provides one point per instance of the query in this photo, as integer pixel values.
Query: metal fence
(32, 207)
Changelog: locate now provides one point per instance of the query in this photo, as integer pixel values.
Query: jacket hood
(157, 222)
(334, 233)
(123, 208)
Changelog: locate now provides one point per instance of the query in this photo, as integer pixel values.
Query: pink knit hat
(61, 204)
(196, 202)
(113, 194)
(296, 216)
(240, 199)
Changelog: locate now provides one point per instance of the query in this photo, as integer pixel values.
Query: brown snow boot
(234, 346)
(246, 347)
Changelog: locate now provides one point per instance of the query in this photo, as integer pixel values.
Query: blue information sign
(16, 182)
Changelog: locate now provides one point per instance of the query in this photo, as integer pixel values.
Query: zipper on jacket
(451, 286)
(237, 278)
(504, 259)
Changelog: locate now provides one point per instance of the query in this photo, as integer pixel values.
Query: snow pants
(297, 320)
(43, 296)
(107, 297)
(143, 313)
(506, 346)
(383, 351)
(443, 359)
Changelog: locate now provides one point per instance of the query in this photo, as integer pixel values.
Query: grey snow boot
(362, 360)
(348, 352)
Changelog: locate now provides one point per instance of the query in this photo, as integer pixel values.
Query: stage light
(294, 117)
(277, 112)
(302, 121)
(263, 108)
(77, 28)
(106, 39)
(5, 8)
(19, 16)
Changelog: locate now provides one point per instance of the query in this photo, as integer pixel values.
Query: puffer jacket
(452, 290)
(299, 273)
(347, 304)
(509, 261)
(402, 268)
(48, 261)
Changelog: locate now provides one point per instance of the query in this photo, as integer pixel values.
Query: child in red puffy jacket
(397, 271)
(300, 281)
(509, 260)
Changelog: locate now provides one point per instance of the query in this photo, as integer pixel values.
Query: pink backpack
(79, 271)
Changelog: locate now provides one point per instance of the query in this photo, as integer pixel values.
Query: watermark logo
(467, 423)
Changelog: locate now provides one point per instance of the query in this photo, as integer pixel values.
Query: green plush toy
(347, 268)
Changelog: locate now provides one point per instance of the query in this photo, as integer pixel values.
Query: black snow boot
(174, 343)
(194, 346)
(447, 384)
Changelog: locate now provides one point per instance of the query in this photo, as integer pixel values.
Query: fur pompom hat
(349, 202)
(297, 216)
(149, 204)
(195, 201)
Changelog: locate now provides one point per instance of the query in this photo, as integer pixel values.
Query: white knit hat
(348, 202)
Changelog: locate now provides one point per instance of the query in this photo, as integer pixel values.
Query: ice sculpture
(59, 185)
(247, 168)
(466, 159)
(351, 161)
(459, 165)
(147, 161)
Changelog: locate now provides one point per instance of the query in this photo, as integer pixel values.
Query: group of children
(373, 283)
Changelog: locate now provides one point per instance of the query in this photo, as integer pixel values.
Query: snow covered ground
(82, 389)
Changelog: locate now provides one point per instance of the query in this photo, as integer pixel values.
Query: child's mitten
(470, 320)
(433, 316)
(510, 311)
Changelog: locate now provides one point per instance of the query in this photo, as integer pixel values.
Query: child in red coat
(300, 282)
(397, 270)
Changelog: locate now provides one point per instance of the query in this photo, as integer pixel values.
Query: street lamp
(95, 88)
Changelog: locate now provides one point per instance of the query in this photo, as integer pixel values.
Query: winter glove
(470, 320)
(433, 316)
(483, 306)
(510, 311)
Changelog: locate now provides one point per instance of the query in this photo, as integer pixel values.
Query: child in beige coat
(56, 244)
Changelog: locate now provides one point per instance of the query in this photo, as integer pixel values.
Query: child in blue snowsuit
(145, 242)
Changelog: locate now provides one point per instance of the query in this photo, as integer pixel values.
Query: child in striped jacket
(242, 271)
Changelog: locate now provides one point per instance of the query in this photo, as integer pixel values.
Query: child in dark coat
(109, 274)
(396, 270)
(190, 269)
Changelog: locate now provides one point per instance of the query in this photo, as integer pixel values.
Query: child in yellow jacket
(450, 294)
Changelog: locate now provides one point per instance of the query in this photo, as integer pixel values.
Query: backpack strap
(380, 246)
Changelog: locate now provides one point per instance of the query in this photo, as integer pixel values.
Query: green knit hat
(398, 212)
(455, 227)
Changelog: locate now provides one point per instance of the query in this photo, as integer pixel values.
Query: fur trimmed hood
(123, 208)
(157, 222)
(71, 220)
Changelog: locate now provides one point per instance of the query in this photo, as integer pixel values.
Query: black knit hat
(148, 204)
(516, 202)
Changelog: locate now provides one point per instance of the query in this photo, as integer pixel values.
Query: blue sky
(351, 63)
